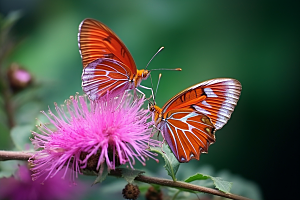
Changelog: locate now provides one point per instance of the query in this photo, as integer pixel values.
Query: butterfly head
(140, 75)
(151, 106)
(156, 112)
(145, 74)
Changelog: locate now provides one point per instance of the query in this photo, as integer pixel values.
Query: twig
(8, 106)
(7, 98)
(180, 184)
(15, 155)
(6, 46)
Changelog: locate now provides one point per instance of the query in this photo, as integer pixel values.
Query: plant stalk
(17, 155)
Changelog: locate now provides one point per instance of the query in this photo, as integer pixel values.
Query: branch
(15, 155)
(180, 184)
(7, 94)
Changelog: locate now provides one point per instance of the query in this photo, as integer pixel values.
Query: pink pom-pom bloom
(108, 132)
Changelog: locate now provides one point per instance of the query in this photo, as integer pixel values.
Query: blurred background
(255, 42)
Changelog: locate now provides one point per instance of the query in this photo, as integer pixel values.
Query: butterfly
(107, 63)
(189, 120)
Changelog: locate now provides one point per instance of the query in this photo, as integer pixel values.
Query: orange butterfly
(188, 121)
(108, 64)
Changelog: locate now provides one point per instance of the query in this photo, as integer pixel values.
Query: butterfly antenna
(176, 69)
(157, 84)
(152, 88)
(159, 50)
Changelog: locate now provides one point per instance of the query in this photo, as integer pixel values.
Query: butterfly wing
(105, 75)
(215, 98)
(188, 133)
(96, 40)
(191, 118)
(107, 64)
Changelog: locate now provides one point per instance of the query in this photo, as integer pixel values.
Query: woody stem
(16, 155)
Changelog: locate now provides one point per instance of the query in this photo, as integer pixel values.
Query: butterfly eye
(145, 74)
(151, 107)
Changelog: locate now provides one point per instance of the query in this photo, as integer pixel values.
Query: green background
(255, 42)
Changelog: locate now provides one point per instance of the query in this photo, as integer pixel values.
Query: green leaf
(222, 185)
(156, 187)
(129, 174)
(8, 168)
(88, 172)
(196, 177)
(171, 162)
(102, 174)
(20, 136)
(5, 174)
(219, 183)
(144, 188)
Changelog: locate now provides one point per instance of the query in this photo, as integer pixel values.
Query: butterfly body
(107, 63)
(157, 115)
(188, 121)
(140, 75)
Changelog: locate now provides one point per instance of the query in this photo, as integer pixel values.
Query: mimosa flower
(109, 132)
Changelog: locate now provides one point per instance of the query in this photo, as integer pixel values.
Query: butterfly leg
(152, 133)
(147, 88)
(125, 93)
(162, 143)
(135, 93)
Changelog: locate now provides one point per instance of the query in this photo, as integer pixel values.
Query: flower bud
(131, 191)
(19, 78)
(154, 194)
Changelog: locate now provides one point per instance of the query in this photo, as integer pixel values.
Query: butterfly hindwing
(104, 75)
(188, 133)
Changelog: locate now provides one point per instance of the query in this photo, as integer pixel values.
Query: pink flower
(21, 187)
(108, 132)
(19, 78)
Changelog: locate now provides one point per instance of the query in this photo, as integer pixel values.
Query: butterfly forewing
(215, 98)
(96, 40)
(188, 133)
(107, 64)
